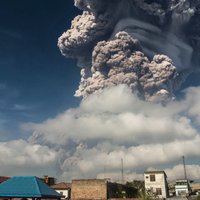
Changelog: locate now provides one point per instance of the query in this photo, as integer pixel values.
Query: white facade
(182, 188)
(156, 181)
(63, 192)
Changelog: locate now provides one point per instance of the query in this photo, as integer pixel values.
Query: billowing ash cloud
(120, 61)
(151, 46)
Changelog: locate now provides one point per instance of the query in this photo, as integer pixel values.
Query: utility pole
(122, 165)
(185, 174)
(104, 172)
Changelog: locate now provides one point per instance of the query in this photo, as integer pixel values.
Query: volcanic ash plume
(147, 45)
(120, 61)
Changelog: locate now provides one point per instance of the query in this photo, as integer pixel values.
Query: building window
(158, 191)
(152, 177)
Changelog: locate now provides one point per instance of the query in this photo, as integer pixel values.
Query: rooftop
(3, 178)
(26, 186)
(155, 172)
(61, 186)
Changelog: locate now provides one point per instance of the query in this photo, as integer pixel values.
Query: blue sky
(36, 81)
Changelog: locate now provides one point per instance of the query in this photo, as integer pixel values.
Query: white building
(182, 187)
(63, 188)
(156, 181)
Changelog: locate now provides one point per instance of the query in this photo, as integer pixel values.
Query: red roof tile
(62, 186)
(3, 178)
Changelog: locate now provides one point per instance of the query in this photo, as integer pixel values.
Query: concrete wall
(94, 189)
(195, 187)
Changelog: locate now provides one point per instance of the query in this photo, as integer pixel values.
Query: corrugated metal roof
(27, 186)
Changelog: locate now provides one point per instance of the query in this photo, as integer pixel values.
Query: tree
(147, 195)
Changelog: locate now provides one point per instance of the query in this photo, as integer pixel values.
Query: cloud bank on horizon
(134, 55)
(90, 140)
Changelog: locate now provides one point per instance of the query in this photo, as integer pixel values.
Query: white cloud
(114, 125)
(127, 120)
(82, 142)
(177, 172)
(192, 103)
(19, 157)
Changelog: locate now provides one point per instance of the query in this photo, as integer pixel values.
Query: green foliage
(116, 190)
(147, 195)
(198, 197)
(136, 184)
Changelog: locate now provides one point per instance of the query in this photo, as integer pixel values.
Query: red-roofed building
(3, 178)
(63, 188)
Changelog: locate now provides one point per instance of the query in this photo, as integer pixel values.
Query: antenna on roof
(185, 174)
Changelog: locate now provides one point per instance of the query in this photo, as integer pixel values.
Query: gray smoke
(120, 61)
(149, 45)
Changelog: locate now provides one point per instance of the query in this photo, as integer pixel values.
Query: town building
(100, 189)
(195, 187)
(49, 180)
(63, 188)
(156, 181)
(89, 189)
(182, 187)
